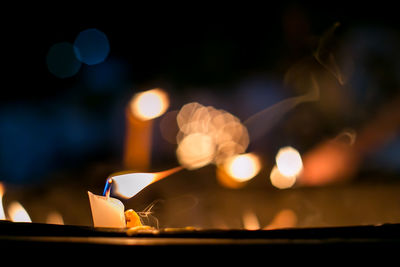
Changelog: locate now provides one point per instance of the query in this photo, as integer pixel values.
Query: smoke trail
(260, 123)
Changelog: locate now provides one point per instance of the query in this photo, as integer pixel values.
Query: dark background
(71, 130)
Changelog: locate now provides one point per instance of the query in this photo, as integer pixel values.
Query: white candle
(107, 211)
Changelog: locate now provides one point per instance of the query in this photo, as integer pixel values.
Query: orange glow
(280, 180)
(250, 221)
(2, 215)
(243, 167)
(288, 161)
(55, 218)
(329, 162)
(127, 185)
(284, 219)
(149, 104)
(17, 213)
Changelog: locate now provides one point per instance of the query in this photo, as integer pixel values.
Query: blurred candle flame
(243, 167)
(280, 180)
(250, 221)
(149, 104)
(208, 135)
(55, 218)
(286, 218)
(17, 213)
(2, 214)
(288, 161)
(236, 171)
(127, 185)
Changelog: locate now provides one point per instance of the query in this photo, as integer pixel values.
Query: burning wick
(128, 185)
(107, 188)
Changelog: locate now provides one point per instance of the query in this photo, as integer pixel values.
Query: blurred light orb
(243, 167)
(149, 104)
(61, 60)
(288, 161)
(223, 130)
(281, 181)
(91, 46)
(195, 151)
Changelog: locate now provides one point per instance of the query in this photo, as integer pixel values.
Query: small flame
(286, 218)
(17, 213)
(149, 104)
(128, 185)
(243, 167)
(55, 218)
(289, 161)
(250, 221)
(2, 215)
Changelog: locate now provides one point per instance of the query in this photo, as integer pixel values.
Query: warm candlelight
(142, 109)
(55, 218)
(2, 214)
(288, 161)
(127, 185)
(288, 167)
(250, 221)
(149, 104)
(17, 213)
(239, 169)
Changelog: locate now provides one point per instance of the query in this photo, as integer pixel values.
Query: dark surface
(352, 241)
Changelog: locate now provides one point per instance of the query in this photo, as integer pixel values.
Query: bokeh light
(91, 46)
(243, 167)
(288, 161)
(149, 104)
(61, 60)
(212, 131)
(196, 150)
(280, 180)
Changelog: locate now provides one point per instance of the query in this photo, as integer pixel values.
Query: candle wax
(107, 211)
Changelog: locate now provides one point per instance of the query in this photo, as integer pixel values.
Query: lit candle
(108, 211)
(142, 109)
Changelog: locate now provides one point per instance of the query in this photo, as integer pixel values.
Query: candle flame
(149, 104)
(127, 185)
(2, 215)
(17, 213)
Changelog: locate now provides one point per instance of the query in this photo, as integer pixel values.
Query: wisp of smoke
(260, 123)
(147, 217)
